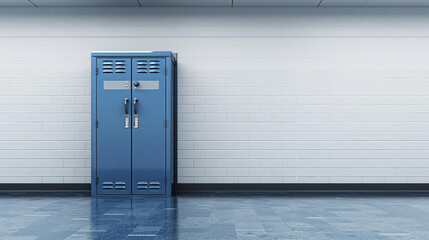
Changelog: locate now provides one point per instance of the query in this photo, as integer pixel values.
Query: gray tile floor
(215, 216)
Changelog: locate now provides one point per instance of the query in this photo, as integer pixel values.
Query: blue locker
(134, 109)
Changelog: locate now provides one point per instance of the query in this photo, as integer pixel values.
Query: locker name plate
(147, 85)
(117, 85)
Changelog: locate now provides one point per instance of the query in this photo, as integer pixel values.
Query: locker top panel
(136, 54)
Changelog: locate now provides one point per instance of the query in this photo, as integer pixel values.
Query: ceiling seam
(139, 3)
(33, 3)
(318, 5)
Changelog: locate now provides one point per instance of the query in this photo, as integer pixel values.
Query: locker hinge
(96, 123)
(96, 180)
(96, 71)
(165, 124)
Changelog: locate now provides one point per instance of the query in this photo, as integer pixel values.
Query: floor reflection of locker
(133, 123)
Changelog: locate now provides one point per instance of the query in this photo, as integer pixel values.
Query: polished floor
(277, 216)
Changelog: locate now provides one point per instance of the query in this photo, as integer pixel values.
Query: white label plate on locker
(117, 85)
(148, 85)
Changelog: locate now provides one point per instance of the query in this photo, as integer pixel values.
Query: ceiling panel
(86, 3)
(276, 3)
(186, 3)
(343, 3)
(15, 3)
(397, 3)
(375, 3)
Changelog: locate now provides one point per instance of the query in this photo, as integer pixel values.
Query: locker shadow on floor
(215, 216)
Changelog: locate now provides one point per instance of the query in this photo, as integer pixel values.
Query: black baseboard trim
(46, 187)
(245, 187)
(302, 187)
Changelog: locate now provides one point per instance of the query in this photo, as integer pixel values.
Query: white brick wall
(266, 95)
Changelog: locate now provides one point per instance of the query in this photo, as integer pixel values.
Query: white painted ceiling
(214, 3)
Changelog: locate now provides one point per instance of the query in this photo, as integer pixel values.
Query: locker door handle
(135, 105)
(126, 105)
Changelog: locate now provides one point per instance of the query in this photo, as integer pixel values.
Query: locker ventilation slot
(142, 66)
(154, 66)
(142, 185)
(107, 185)
(120, 66)
(148, 66)
(107, 66)
(117, 66)
(120, 186)
(154, 185)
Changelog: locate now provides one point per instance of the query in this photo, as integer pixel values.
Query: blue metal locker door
(113, 131)
(148, 150)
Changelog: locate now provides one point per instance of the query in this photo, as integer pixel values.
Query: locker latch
(136, 117)
(136, 121)
(126, 116)
(126, 121)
